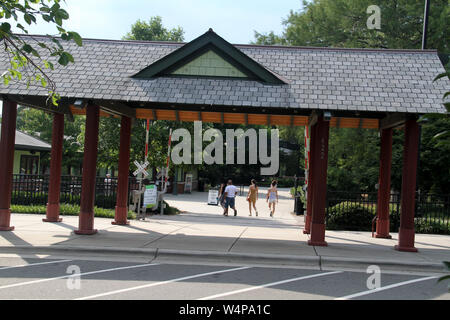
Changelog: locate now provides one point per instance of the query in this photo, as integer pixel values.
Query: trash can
(201, 185)
(299, 209)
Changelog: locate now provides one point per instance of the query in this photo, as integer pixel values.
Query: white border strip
(161, 283)
(71, 275)
(268, 285)
(33, 264)
(364, 293)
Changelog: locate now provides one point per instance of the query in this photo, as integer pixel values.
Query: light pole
(425, 24)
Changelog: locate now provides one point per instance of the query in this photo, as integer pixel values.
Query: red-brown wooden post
(320, 168)
(409, 176)
(7, 141)
(309, 199)
(86, 217)
(124, 165)
(54, 187)
(384, 185)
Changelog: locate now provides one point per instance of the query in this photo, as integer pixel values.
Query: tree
(342, 23)
(353, 156)
(26, 63)
(154, 31)
(109, 128)
(270, 39)
(39, 124)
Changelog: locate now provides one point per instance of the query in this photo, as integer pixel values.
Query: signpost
(150, 196)
(141, 170)
(213, 197)
(188, 183)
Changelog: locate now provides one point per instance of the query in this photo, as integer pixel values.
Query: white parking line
(161, 283)
(33, 264)
(364, 293)
(268, 285)
(80, 275)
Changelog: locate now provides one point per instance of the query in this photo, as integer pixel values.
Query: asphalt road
(36, 278)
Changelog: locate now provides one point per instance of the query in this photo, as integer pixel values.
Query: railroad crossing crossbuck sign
(141, 168)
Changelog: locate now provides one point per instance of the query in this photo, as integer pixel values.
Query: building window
(29, 164)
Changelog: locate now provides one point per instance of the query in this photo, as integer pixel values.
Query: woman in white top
(272, 197)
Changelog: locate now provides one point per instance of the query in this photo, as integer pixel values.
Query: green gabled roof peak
(236, 65)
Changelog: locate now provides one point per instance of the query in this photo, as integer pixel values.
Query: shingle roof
(26, 142)
(318, 78)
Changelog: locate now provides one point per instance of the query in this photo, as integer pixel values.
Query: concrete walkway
(203, 233)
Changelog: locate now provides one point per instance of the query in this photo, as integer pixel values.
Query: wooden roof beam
(393, 120)
(117, 108)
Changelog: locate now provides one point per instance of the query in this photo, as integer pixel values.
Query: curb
(242, 258)
(390, 265)
(73, 250)
(167, 255)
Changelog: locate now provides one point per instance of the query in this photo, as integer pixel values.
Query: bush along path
(354, 216)
(74, 210)
(67, 209)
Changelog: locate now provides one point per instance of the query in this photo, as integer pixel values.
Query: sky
(234, 20)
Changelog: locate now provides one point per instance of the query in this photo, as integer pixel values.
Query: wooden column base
(5, 215)
(86, 232)
(121, 212)
(406, 240)
(52, 213)
(383, 229)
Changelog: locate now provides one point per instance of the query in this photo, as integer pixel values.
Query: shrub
(350, 216)
(41, 198)
(168, 210)
(67, 209)
(437, 226)
(354, 216)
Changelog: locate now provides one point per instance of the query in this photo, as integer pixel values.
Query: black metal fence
(356, 210)
(33, 189)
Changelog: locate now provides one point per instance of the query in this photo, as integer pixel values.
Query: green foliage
(350, 216)
(342, 23)
(23, 51)
(39, 124)
(299, 191)
(168, 210)
(353, 159)
(355, 216)
(354, 153)
(67, 209)
(154, 31)
(37, 198)
(269, 39)
(434, 169)
(432, 226)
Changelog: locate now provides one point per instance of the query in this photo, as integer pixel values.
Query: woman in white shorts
(272, 197)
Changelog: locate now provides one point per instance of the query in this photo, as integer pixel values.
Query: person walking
(252, 196)
(272, 197)
(222, 194)
(230, 195)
